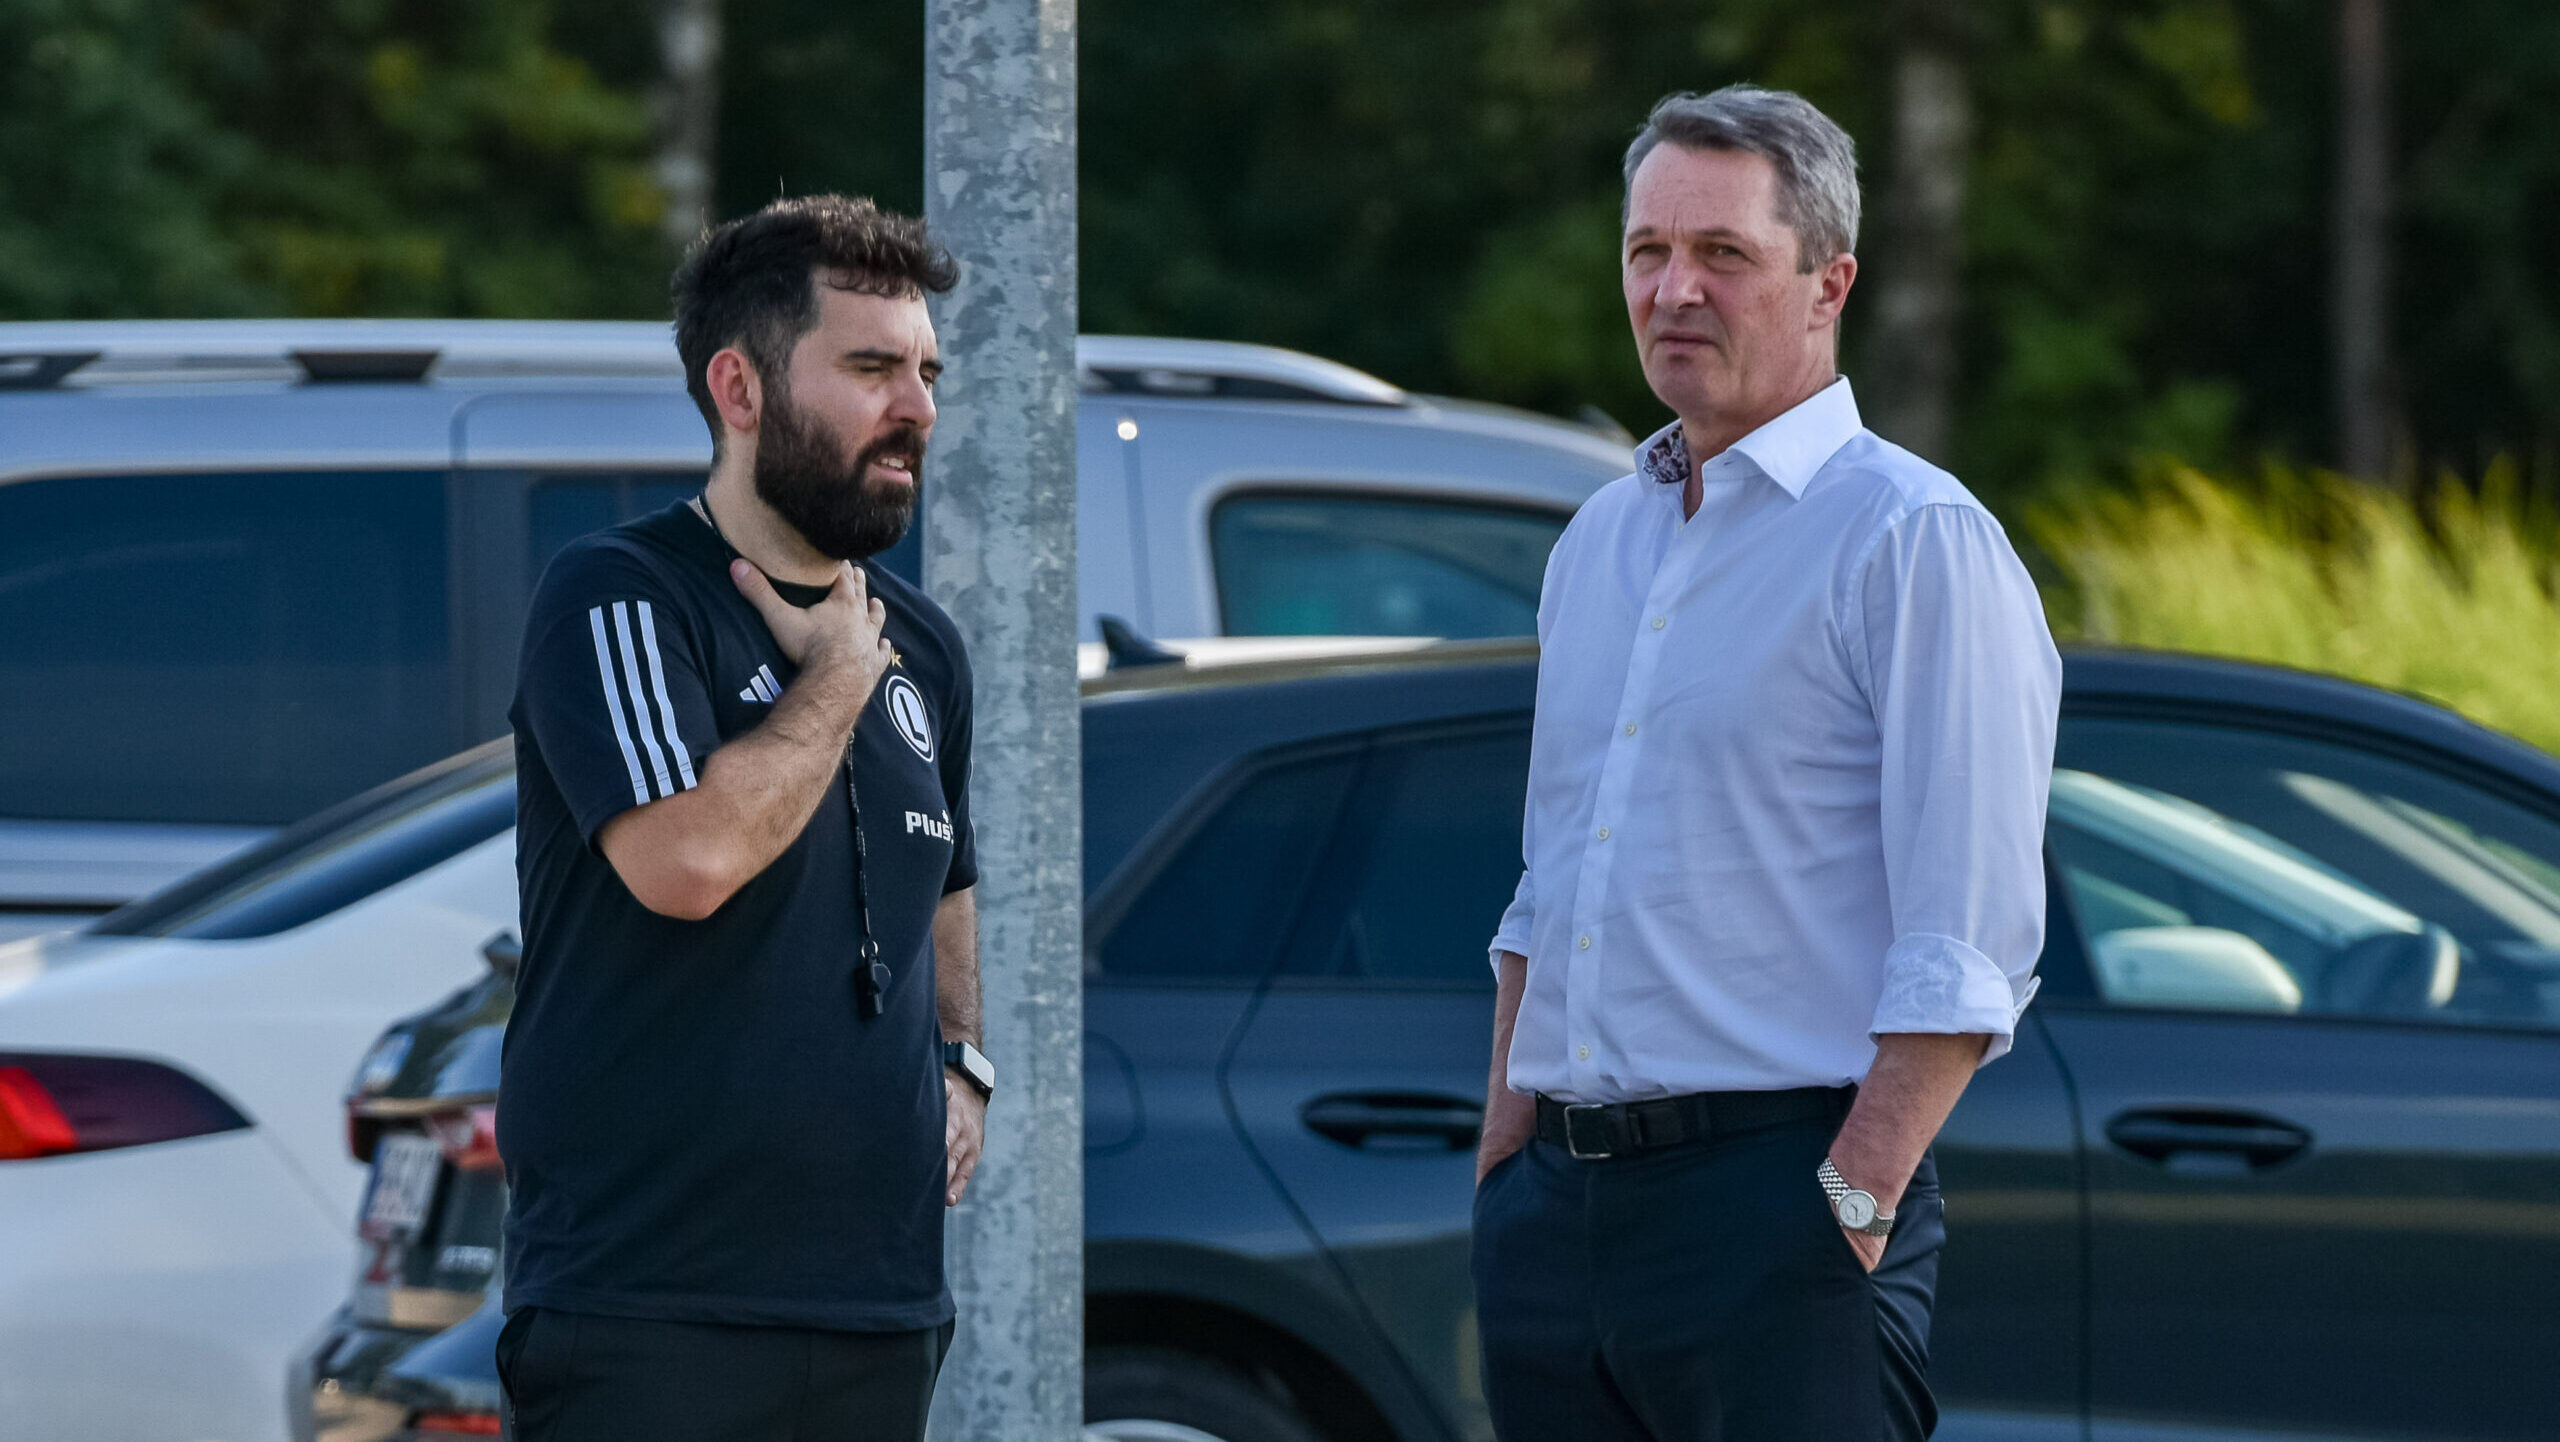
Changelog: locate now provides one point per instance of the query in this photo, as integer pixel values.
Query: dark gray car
(2277, 1152)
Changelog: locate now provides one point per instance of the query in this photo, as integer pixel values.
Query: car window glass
(1344, 565)
(1437, 860)
(239, 649)
(561, 508)
(343, 855)
(2238, 870)
(1222, 906)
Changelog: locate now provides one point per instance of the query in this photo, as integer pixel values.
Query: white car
(176, 1185)
(175, 1182)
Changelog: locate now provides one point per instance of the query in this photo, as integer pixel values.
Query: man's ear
(737, 392)
(1837, 276)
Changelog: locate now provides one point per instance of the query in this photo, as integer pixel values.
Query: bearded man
(741, 1082)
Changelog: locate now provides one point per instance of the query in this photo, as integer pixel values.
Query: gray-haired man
(1784, 890)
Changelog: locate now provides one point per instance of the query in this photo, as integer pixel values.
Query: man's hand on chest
(837, 644)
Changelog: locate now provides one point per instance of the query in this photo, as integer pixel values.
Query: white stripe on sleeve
(639, 697)
(666, 708)
(613, 704)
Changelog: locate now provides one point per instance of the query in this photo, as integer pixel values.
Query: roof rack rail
(39, 370)
(43, 355)
(1160, 366)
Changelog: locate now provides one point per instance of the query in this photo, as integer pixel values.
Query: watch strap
(1837, 1186)
(959, 1055)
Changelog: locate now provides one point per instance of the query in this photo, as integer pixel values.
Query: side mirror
(504, 953)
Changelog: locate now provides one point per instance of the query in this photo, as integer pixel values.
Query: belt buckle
(1575, 1131)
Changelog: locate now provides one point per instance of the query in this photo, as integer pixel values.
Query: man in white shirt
(1784, 886)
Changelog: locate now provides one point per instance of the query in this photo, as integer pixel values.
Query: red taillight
(469, 1137)
(30, 1124)
(362, 1133)
(50, 1105)
(455, 1424)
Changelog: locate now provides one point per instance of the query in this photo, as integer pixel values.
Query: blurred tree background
(2099, 231)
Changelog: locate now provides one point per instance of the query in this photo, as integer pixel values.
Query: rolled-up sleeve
(1513, 934)
(1966, 687)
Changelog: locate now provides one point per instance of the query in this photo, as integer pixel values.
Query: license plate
(405, 1166)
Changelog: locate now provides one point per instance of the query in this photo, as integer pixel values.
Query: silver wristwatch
(1855, 1209)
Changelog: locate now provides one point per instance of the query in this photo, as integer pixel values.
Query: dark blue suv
(2278, 1150)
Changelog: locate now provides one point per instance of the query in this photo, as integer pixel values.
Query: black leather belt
(1618, 1129)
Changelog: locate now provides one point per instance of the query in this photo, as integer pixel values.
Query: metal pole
(999, 553)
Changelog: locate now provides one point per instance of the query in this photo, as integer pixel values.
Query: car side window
(220, 648)
(1329, 564)
(2230, 869)
(1428, 864)
(1223, 905)
(561, 508)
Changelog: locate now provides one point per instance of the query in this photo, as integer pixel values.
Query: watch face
(1857, 1209)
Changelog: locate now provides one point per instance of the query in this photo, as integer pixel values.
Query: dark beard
(800, 471)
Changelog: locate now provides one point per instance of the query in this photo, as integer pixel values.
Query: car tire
(1156, 1394)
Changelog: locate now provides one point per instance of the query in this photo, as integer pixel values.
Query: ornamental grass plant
(2450, 597)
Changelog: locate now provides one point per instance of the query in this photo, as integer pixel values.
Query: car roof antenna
(1128, 647)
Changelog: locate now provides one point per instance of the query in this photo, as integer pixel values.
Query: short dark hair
(753, 282)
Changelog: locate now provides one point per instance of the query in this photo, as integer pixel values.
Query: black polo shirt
(698, 1124)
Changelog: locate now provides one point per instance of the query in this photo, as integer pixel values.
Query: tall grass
(2452, 598)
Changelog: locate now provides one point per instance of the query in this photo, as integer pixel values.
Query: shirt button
(1661, 621)
(1583, 1052)
(1631, 728)
(1604, 833)
(1585, 943)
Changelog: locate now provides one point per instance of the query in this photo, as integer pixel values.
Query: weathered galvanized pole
(999, 553)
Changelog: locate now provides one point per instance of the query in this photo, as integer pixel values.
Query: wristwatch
(972, 1063)
(1855, 1209)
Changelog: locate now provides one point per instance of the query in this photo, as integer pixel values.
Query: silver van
(249, 568)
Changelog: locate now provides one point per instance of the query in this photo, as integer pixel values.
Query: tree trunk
(688, 113)
(1914, 353)
(2364, 389)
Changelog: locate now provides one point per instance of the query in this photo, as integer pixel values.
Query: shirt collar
(1788, 450)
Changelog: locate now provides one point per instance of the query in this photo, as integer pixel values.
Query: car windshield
(337, 857)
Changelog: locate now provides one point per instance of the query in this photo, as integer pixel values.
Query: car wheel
(1154, 1394)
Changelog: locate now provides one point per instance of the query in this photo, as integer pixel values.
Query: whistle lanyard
(870, 973)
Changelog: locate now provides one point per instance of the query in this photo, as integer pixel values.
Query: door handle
(2163, 1134)
(1397, 1121)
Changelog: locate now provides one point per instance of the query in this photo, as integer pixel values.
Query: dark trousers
(579, 1377)
(1700, 1293)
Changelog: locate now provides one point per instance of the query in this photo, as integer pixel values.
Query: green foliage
(1429, 188)
(821, 95)
(2453, 600)
(104, 159)
(317, 157)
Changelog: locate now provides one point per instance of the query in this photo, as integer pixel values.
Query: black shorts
(580, 1377)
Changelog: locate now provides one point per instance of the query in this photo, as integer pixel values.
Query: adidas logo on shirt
(761, 687)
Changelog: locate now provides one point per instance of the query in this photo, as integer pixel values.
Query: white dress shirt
(1787, 785)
